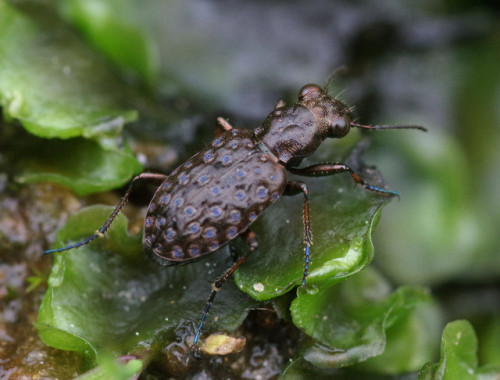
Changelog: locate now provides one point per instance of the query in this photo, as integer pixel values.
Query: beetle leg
(222, 126)
(152, 177)
(327, 168)
(251, 241)
(279, 104)
(294, 188)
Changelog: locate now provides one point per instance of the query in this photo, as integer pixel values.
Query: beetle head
(332, 116)
(294, 132)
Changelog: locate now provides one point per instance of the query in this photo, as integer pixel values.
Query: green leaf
(489, 335)
(349, 320)
(110, 368)
(51, 82)
(434, 220)
(82, 165)
(458, 356)
(476, 114)
(342, 220)
(420, 327)
(112, 26)
(108, 296)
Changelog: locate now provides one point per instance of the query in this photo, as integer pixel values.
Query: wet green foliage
(109, 297)
(458, 356)
(74, 72)
(56, 86)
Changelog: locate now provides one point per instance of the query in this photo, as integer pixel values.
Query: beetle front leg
(324, 169)
(294, 188)
(251, 241)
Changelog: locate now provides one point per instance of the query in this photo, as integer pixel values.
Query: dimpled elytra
(218, 193)
(211, 198)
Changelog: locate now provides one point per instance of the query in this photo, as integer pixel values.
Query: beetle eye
(309, 89)
(341, 126)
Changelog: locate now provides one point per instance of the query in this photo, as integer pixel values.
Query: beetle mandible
(219, 192)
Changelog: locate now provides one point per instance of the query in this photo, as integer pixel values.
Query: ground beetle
(218, 193)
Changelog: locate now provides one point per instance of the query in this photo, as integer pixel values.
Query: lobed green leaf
(50, 81)
(458, 356)
(342, 221)
(108, 297)
(349, 320)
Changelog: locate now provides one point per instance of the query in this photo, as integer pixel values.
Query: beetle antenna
(337, 71)
(389, 126)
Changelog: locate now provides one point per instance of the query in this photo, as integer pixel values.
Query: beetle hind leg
(155, 178)
(251, 241)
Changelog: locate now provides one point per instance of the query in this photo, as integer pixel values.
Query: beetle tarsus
(216, 287)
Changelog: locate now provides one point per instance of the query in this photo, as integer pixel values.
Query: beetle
(219, 192)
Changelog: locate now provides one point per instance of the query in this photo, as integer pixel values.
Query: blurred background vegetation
(92, 91)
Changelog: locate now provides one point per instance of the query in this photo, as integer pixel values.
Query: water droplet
(240, 173)
(258, 287)
(216, 190)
